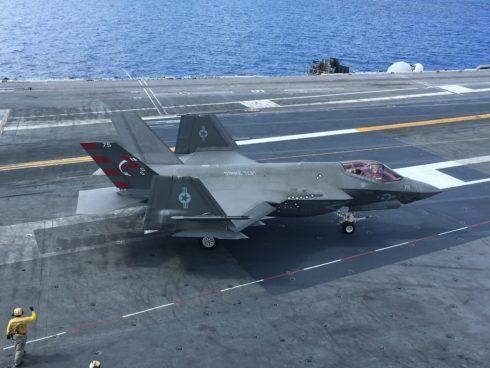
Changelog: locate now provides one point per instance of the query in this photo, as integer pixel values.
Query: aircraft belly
(305, 208)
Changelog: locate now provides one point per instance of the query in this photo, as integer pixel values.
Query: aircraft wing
(215, 158)
(199, 208)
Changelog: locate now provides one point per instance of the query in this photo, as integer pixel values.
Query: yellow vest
(18, 325)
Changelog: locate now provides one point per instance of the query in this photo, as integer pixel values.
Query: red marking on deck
(184, 300)
(479, 224)
(357, 255)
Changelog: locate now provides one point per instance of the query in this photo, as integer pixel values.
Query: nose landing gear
(348, 221)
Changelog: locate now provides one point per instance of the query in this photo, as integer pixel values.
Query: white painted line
(299, 97)
(129, 75)
(306, 90)
(159, 117)
(476, 182)
(82, 113)
(371, 99)
(241, 285)
(429, 173)
(148, 310)
(3, 122)
(259, 104)
(453, 231)
(296, 136)
(454, 88)
(144, 89)
(40, 339)
(148, 94)
(157, 100)
(473, 160)
(391, 246)
(322, 265)
(57, 125)
(345, 93)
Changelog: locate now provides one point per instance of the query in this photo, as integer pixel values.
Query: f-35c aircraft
(206, 189)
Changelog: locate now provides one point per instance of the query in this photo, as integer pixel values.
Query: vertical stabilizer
(138, 138)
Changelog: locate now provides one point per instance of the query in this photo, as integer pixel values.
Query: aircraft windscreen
(371, 170)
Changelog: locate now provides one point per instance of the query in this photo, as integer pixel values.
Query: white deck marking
(155, 97)
(453, 231)
(269, 278)
(429, 173)
(345, 93)
(241, 285)
(370, 99)
(455, 88)
(299, 97)
(57, 125)
(296, 136)
(40, 339)
(391, 246)
(146, 91)
(148, 310)
(259, 104)
(322, 265)
(3, 122)
(82, 113)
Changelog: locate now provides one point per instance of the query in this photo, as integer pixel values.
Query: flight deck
(410, 288)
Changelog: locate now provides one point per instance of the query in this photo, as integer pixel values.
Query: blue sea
(103, 38)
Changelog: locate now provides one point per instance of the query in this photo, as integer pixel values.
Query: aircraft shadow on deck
(285, 244)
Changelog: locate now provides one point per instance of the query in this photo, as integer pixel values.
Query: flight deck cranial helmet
(18, 312)
(94, 364)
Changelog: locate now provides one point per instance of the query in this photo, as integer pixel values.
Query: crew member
(94, 364)
(17, 331)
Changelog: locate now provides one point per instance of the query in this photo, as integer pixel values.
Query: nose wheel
(208, 242)
(348, 227)
(348, 221)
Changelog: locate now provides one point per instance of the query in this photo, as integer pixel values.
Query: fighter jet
(204, 188)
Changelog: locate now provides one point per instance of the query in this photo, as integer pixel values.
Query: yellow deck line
(63, 161)
(84, 159)
(458, 119)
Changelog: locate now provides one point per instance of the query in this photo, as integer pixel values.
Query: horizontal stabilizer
(138, 138)
(202, 133)
(215, 234)
(210, 217)
(103, 200)
(121, 167)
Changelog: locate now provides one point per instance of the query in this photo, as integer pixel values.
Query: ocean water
(89, 38)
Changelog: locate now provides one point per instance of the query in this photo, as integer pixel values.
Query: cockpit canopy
(372, 170)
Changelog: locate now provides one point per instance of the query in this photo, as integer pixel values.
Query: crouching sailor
(17, 331)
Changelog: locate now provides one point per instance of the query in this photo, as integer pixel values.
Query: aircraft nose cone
(426, 190)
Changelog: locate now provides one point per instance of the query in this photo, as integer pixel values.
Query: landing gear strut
(208, 242)
(348, 221)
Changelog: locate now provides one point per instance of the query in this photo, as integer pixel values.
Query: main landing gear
(208, 242)
(348, 221)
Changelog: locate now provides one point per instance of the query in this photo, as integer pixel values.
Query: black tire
(208, 242)
(349, 227)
